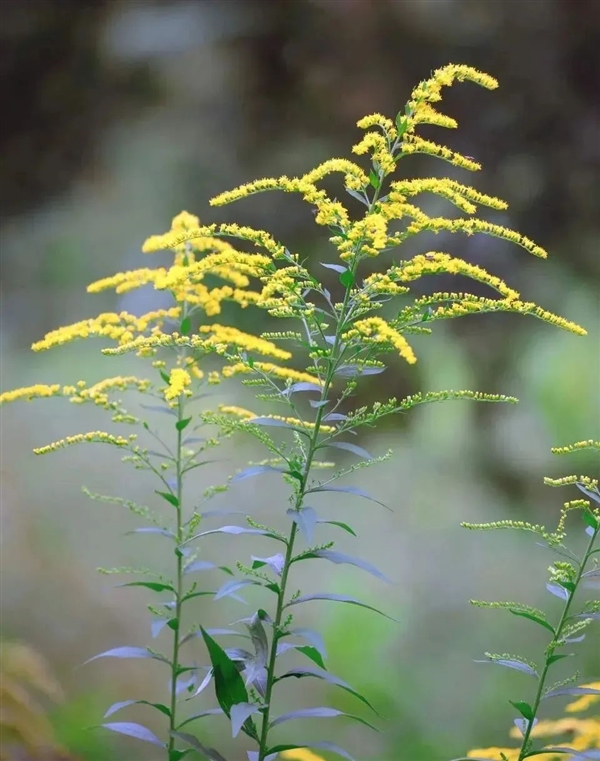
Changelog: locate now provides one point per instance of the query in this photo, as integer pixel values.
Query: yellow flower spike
(377, 330)
(127, 281)
(377, 145)
(94, 437)
(424, 113)
(240, 412)
(38, 391)
(349, 168)
(229, 336)
(576, 447)
(179, 380)
(429, 90)
(284, 373)
(434, 263)
(415, 144)
(464, 197)
(286, 184)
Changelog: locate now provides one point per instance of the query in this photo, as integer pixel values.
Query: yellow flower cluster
(377, 330)
(96, 437)
(38, 391)
(222, 336)
(366, 236)
(434, 263)
(127, 281)
(118, 327)
(416, 144)
(381, 282)
(355, 178)
(285, 373)
(179, 380)
(577, 446)
(379, 148)
(174, 239)
(464, 197)
(241, 412)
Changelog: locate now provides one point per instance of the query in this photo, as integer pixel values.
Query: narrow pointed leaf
(240, 713)
(134, 730)
(352, 371)
(335, 598)
(181, 424)
(571, 691)
(302, 386)
(229, 685)
(235, 531)
(163, 408)
(316, 404)
(305, 519)
(201, 715)
(210, 753)
(270, 421)
(346, 445)
(153, 530)
(341, 525)
(312, 637)
(276, 562)
(127, 652)
(334, 417)
(170, 498)
(155, 586)
(345, 490)
(157, 626)
(230, 587)
(326, 677)
(317, 713)
(523, 708)
(340, 558)
(124, 703)
(511, 664)
(255, 470)
(258, 635)
(335, 267)
(532, 617)
(199, 565)
(558, 591)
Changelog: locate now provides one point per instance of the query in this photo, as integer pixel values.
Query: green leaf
(341, 525)
(374, 179)
(173, 624)
(553, 658)
(312, 653)
(164, 376)
(590, 519)
(155, 586)
(186, 326)
(532, 617)
(347, 279)
(170, 498)
(401, 124)
(229, 684)
(524, 709)
(181, 424)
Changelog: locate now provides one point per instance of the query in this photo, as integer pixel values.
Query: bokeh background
(116, 114)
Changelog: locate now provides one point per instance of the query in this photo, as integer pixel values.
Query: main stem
(563, 619)
(178, 584)
(312, 448)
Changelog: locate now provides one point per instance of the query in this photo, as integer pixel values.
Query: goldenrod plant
(567, 580)
(324, 339)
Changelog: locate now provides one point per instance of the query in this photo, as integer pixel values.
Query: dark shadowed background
(117, 114)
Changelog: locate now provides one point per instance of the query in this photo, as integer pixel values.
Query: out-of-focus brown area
(117, 114)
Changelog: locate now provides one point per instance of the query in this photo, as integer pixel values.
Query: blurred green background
(119, 113)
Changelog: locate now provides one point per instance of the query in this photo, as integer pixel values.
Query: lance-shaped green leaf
(128, 652)
(340, 558)
(134, 730)
(231, 587)
(571, 691)
(124, 703)
(339, 524)
(532, 617)
(307, 650)
(229, 685)
(345, 490)
(234, 531)
(170, 498)
(511, 663)
(311, 636)
(255, 470)
(324, 675)
(306, 519)
(322, 712)
(349, 447)
(240, 713)
(155, 586)
(335, 598)
(276, 562)
(201, 715)
(210, 753)
(523, 708)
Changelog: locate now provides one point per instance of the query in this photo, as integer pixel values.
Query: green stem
(312, 448)
(178, 584)
(550, 650)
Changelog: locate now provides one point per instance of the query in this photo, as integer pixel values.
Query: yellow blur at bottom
(301, 754)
